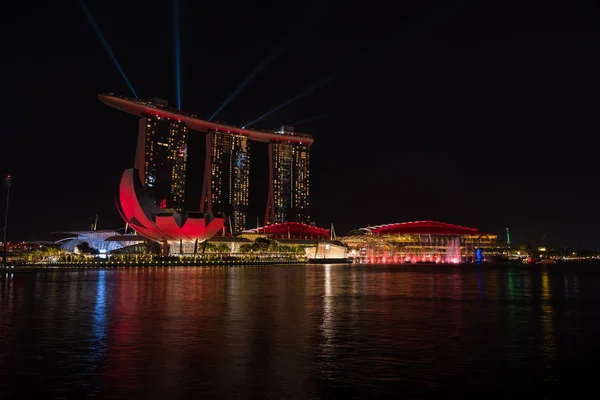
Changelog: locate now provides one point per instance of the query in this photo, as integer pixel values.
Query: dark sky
(480, 114)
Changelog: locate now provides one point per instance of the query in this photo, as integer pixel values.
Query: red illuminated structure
(292, 230)
(162, 225)
(420, 241)
(423, 228)
(142, 108)
(227, 162)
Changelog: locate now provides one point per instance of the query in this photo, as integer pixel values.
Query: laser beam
(277, 49)
(239, 88)
(345, 69)
(333, 112)
(177, 38)
(92, 21)
(353, 64)
(313, 118)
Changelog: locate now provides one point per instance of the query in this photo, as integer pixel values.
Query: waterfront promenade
(151, 262)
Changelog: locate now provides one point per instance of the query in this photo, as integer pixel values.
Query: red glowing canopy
(422, 227)
(292, 230)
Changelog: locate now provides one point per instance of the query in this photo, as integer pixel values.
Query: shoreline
(76, 266)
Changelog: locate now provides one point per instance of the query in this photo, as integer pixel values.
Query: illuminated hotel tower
(228, 171)
(161, 159)
(289, 181)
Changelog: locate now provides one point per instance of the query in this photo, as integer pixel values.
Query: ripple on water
(299, 332)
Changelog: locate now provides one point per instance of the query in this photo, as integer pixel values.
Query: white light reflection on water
(327, 325)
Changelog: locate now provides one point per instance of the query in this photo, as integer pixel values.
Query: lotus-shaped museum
(161, 225)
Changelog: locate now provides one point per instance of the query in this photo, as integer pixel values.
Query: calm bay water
(302, 332)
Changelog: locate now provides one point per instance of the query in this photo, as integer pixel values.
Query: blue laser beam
(279, 47)
(239, 88)
(92, 21)
(345, 69)
(353, 64)
(313, 118)
(330, 113)
(323, 115)
(177, 38)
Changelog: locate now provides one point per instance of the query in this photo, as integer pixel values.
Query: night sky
(479, 114)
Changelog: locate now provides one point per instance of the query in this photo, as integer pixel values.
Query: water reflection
(511, 288)
(548, 342)
(98, 347)
(7, 305)
(6, 321)
(571, 286)
(480, 281)
(327, 323)
(100, 308)
(291, 332)
(527, 285)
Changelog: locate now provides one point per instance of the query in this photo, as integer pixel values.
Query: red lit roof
(293, 229)
(422, 227)
(141, 108)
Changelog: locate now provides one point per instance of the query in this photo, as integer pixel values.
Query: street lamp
(7, 180)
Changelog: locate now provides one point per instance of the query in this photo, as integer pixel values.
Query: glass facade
(282, 180)
(301, 184)
(291, 182)
(230, 177)
(98, 240)
(162, 160)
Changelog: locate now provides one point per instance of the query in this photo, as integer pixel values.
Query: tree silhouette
(85, 248)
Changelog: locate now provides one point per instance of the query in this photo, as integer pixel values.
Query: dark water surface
(302, 332)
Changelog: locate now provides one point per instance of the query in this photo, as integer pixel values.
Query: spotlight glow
(279, 47)
(90, 18)
(444, 12)
(238, 89)
(177, 38)
(336, 74)
(331, 113)
(313, 118)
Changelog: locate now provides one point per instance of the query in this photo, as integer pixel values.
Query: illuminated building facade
(289, 181)
(168, 227)
(161, 159)
(288, 230)
(230, 176)
(422, 241)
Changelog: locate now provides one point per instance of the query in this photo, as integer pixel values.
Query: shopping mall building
(422, 241)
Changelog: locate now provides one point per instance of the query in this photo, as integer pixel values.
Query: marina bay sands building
(161, 162)
(230, 176)
(289, 196)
